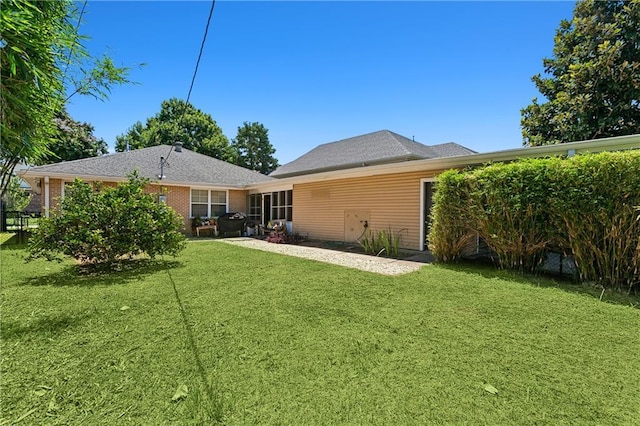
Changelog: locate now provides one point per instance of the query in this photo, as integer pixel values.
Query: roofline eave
(31, 176)
(347, 166)
(442, 163)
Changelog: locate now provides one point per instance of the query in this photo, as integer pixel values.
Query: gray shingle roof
(182, 167)
(378, 147)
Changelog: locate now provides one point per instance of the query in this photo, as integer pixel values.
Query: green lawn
(260, 338)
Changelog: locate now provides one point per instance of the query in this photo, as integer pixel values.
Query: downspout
(46, 196)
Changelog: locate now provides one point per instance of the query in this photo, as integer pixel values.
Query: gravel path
(379, 265)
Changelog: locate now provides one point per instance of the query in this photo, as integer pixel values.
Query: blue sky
(317, 72)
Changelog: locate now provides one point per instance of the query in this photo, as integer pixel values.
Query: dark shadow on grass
(43, 326)
(214, 404)
(18, 241)
(103, 274)
(565, 283)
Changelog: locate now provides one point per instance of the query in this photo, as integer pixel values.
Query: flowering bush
(277, 237)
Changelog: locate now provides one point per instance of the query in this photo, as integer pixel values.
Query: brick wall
(178, 197)
(55, 192)
(238, 201)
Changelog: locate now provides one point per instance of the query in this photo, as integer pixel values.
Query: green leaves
(104, 225)
(42, 54)
(98, 81)
(198, 131)
(593, 88)
(585, 206)
(73, 141)
(179, 121)
(181, 393)
(253, 149)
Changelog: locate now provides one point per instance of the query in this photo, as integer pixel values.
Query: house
(195, 185)
(34, 202)
(382, 147)
(334, 192)
(334, 200)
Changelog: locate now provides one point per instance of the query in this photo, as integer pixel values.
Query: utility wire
(195, 71)
(75, 41)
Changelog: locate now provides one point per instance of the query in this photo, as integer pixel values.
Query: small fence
(553, 263)
(16, 221)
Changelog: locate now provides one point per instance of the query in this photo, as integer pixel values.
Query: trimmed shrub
(599, 208)
(585, 206)
(103, 225)
(512, 214)
(452, 228)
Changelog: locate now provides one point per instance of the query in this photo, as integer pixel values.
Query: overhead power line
(195, 71)
(75, 41)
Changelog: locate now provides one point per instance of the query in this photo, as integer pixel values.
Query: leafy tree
(253, 149)
(179, 121)
(17, 198)
(593, 90)
(41, 57)
(106, 225)
(133, 139)
(73, 141)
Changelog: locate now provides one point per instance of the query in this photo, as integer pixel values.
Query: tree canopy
(17, 198)
(41, 58)
(593, 88)
(178, 121)
(73, 140)
(253, 149)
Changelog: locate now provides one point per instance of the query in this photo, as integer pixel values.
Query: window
(218, 203)
(205, 203)
(65, 188)
(255, 208)
(199, 202)
(282, 205)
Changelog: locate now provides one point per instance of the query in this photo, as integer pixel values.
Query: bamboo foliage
(599, 209)
(513, 218)
(585, 206)
(452, 229)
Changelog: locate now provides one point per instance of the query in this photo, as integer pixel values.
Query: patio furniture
(231, 222)
(214, 229)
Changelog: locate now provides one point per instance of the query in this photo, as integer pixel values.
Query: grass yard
(228, 334)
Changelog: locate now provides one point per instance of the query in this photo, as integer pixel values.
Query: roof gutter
(32, 178)
(347, 166)
(433, 164)
(617, 143)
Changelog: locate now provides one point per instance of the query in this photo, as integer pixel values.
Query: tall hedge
(452, 228)
(599, 208)
(586, 206)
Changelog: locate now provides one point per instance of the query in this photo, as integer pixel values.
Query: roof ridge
(402, 140)
(349, 138)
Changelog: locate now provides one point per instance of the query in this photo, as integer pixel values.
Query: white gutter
(31, 175)
(433, 164)
(442, 163)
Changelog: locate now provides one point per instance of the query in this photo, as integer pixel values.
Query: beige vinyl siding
(392, 201)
